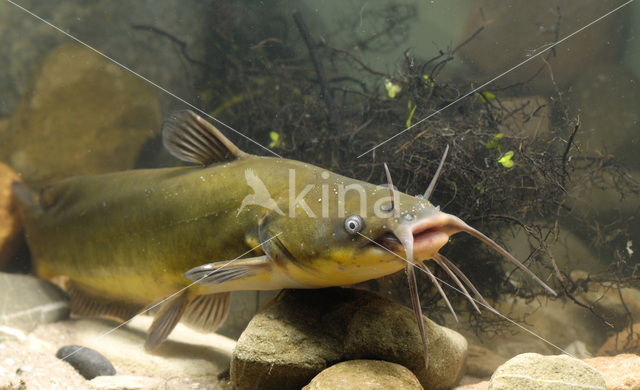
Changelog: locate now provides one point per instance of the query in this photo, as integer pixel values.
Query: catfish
(181, 239)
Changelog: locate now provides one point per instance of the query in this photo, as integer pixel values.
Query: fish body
(132, 235)
(183, 238)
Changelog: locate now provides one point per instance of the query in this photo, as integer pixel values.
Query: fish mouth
(427, 238)
(428, 241)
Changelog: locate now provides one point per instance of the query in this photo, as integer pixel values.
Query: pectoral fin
(227, 271)
(207, 312)
(202, 312)
(166, 319)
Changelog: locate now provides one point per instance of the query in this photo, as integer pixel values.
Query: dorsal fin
(190, 138)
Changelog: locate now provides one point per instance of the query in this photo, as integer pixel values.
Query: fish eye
(353, 224)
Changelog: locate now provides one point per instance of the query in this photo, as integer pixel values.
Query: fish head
(357, 231)
(348, 231)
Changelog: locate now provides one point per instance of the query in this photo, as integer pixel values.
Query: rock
(557, 321)
(301, 332)
(106, 26)
(243, 305)
(530, 117)
(8, 333)
(620, 372)
(605, 298)
(24, 365)
(364, 375)
(623, 341)
(10, 224)
(538, 372)
(517, 29)
(614, 92)
(27, 301)
(188, 360)
(180, 364)
(124, 348)
(482, 361)
(570, 251)
(83, 115)
(127, 382)
(608, 98)
(88, 362)
(484, 385)
(385, 330)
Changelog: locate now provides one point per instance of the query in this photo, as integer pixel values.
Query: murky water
(85, 88)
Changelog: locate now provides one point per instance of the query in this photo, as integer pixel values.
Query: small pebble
(88, 362)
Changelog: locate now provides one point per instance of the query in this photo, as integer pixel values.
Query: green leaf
(275, 139)
(485, 96)
(495, 142)
(428, 82)
(411, 116)
(392, 89)
(506, 160)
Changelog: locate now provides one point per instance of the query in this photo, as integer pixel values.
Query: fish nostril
(386, 207)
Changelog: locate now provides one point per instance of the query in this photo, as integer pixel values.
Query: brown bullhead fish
(185, 237)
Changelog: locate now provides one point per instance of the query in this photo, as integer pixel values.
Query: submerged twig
(180, 43)
(566, 150)
(317, 65)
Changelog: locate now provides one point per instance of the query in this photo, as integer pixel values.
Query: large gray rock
(614, 92)
(302, 332)
(482, 361)
(615, 304)
(515, 30)
(243, 306)
(27, 301)
(114, 113)
(108, 27)
(365, 375)
(531, 371)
